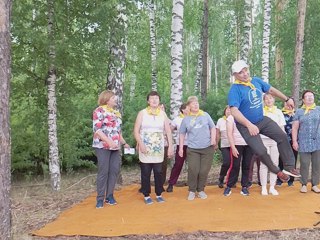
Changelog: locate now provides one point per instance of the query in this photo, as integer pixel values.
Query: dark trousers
(165, 165)
(109, 163)
(178, 164)
(146, 169)
(295, 153)
(270, 129)
(225, 163)
(244, 158)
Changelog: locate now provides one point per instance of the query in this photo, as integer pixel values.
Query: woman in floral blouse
(107, 140)
(149, 130)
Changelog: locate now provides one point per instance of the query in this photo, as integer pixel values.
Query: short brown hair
(307, 91)
(153, 93)
(183, 107)
(192, 99)
(104, 97)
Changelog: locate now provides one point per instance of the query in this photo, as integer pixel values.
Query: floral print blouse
(109, 122)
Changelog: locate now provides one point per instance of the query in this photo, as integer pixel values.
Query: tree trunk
(247, 29)
(176, 57)
(118, 51)
(205, 40)
(279, 59)
(302, 5)
(153, 45)
(5, 146)
(54, 165)
(266, 40)
(197, 83)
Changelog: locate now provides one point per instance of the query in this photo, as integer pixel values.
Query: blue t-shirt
(249, 101)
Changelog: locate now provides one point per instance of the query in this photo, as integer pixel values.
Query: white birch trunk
(176, 57)
(247, 30)
(152, 21)
(54, 165)
(266, 40)
(118, 51)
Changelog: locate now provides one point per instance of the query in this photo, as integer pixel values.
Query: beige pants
(272, 150)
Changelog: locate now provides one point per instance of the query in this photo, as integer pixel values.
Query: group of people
(251, 126)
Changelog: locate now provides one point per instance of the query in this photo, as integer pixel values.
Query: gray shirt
(198, 129)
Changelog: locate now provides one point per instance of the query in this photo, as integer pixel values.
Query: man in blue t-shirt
(246, 104)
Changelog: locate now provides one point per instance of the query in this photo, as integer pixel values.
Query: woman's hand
(126, 145)
(170, 152)
(142, 148)
(235, 152)
(295, 145)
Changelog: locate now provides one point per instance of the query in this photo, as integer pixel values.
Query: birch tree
(118, 49)
(5, 146)
(246, 43)
(302, 5)
(152, 22)
(266, 40)
(205, 41)
(176, 57)
(54, 166)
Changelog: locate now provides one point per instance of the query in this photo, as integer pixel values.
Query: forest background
(83, 32)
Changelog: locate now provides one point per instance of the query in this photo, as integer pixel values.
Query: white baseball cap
(237, 66)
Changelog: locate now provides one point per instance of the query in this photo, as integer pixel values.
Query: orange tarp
(290, 210)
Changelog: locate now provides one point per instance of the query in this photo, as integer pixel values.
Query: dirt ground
(34, 205)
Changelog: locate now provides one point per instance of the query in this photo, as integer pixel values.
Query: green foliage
(82, 33)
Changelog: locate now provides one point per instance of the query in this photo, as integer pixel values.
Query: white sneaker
(264, 191)
(191, 196)
(303, 189)
(315, 189)
(202, 195)
(273, 191)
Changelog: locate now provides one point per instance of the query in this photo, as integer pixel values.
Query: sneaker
(170, 188)
(273, 191)
(244, 191)
(264, 191)
(293, 172)
(303, 189)
(148, 200)
(283, 177)
(99, 204)
(290, 183)
(110, 200)
(191, 196)
(279, 183)
(249, 184)
(220, 185)
(160, 199)
(202, 195)
(315, 189)
(227, 191)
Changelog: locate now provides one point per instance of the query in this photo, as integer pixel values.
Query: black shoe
(220, 185)
(170, 188)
